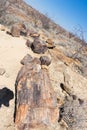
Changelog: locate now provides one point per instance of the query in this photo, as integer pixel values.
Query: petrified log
(15, 31)
(38, 46)
(18, 29)
(36, 100)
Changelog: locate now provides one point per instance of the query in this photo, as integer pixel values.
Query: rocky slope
(62, 73)
(15, 11)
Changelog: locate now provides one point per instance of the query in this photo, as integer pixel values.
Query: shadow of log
(5, 96)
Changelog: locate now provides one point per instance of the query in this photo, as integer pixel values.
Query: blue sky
(69, 14)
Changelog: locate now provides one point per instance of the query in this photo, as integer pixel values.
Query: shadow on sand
(5, 96)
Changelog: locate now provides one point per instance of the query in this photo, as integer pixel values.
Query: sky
(70, 14)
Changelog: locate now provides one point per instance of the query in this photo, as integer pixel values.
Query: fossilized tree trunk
(36, 100)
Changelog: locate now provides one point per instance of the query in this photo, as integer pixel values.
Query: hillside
(15, 11)
(40, 93)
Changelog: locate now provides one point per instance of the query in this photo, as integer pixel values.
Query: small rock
(63, 124)
(80, 101)
(74, 97)
(44, 67)
(38, 46)
(65, 89)
(50, 44)
(45, 60)
(49, 41)
(34, 35)
(28, 58)
(2, 71)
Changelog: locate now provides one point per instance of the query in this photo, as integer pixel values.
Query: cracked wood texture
(36, 104)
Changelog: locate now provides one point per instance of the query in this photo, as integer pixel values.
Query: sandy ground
(12, 50)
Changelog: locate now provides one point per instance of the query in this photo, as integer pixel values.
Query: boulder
(15, 31)
(36, 101)
(28, 43)
(38, 46)
(45, 60)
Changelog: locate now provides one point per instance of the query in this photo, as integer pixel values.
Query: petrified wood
(36, 103)
(38, 46)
